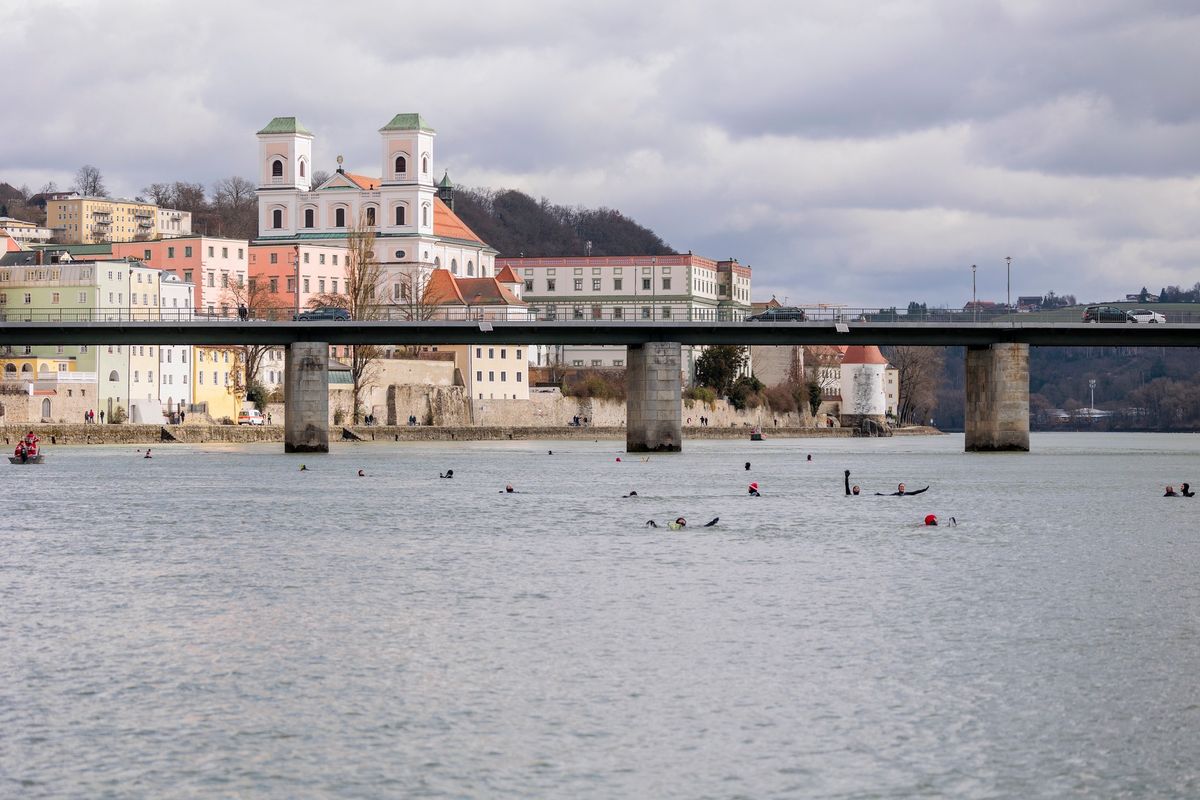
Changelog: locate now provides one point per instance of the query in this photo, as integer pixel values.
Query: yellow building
(93, 220)
(216, 384)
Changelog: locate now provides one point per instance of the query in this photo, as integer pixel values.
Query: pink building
(211, 263)
(321, 270)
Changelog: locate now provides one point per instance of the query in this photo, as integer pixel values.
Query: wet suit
(901, 494)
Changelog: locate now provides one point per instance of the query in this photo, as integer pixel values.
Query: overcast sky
(859, 153)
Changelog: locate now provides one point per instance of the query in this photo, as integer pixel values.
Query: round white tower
(863, 392)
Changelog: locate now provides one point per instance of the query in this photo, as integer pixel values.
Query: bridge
(997, 374)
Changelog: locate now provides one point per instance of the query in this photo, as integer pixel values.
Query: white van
(251, 417)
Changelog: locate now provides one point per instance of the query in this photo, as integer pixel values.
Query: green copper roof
(445, 182)
(407, 122)
(286, 125)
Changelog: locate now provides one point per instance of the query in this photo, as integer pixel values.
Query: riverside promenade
(63, 434)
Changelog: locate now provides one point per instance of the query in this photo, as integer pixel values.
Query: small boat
(756, 434)
(27, 451)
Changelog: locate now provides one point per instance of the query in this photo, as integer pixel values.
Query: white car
(251, 417)
(1145, 316)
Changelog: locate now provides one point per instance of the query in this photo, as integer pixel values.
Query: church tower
(407, 187)
(285, 155)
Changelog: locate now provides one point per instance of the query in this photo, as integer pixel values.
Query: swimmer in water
(900, 492)
(147, 454)
(549, 452)
(632, 493)
(850, 490)
(747, 465)
(362, 474)
(303, 468)
(931, 519)
(809, 457)
(1170, 492)
(680, 522)
(509, 490)
(753, 490)
(449, 474)
(1185, 489)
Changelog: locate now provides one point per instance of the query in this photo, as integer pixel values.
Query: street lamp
(1092, 386)
(1008, 272)
(974, 302)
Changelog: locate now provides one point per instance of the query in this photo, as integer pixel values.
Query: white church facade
(411, 216)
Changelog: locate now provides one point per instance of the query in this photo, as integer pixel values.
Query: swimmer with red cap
(753, 490)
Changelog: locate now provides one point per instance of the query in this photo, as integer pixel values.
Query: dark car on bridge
(781, 314)
(1105, 314)
(322, 313)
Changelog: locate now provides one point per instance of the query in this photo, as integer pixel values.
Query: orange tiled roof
(863, 354)
(10, 245)
(446, 223)
(444, 289)
(363, 181)
(508, 276)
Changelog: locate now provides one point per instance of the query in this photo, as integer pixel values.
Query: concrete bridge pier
(306, 398)
(653, 412)
(997, 413)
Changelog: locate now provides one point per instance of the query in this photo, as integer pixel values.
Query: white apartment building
(174, 391)
(665, 288)
(171, 223)
(26, 233)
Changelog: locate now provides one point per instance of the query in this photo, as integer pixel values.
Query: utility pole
(974, 300)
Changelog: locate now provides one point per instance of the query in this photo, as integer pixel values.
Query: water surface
(213, 622)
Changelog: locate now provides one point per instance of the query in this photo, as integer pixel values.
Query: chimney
(40, 255)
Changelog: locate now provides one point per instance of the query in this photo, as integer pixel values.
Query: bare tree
(89, 182)
(919, 373)
(319, 177)
(260, 304)
(236, 207)
(411, 300)
(159, 194)
(363, 299)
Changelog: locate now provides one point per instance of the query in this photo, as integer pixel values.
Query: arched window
(399, 215)
(44, 368)
(401, 165)
(113, 376)
(470, 268)
(425, 164)
(276, 169)
(454, 266)
(370, 216)
(301, 168)
(425, 216)
(437, 262)
(45, 408)
(10, 368)
(26, 368)
(277, 218)
(339, 218)
(310, 218)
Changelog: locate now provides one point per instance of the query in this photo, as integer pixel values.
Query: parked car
(1105, 314)
(1146, 316)
(781, 314)
(322, 313)
(251, 417)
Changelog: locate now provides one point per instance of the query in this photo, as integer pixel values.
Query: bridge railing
(580, 313)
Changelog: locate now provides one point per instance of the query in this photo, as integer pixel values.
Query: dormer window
(276, 169)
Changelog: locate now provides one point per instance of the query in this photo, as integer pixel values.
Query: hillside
(515, 224)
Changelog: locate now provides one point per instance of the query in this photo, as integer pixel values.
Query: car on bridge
(1106, 314)
(1147, 317)
(322, 313)
(781, 314)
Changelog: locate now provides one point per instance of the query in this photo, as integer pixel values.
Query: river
(212, 622)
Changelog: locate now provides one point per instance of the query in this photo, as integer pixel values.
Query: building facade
(77, 219)
(211, 266)
(26, 233)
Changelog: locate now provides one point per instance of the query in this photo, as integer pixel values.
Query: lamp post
(1092, 386)
(974, 301)
(1008, 273)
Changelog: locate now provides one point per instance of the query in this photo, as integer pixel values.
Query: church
(411, 215)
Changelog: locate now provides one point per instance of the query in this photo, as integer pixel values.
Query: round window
(399, 254)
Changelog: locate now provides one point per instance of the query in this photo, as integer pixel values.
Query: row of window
(187, 252)
(400, 215)
(492, 376)
(597, 312)
(598, 362)
(492, 352)
(618, 284)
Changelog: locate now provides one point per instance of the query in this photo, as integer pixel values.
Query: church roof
(286, 125)
(363, 181)
(863, 354)
(446, 223)
(407, 122)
